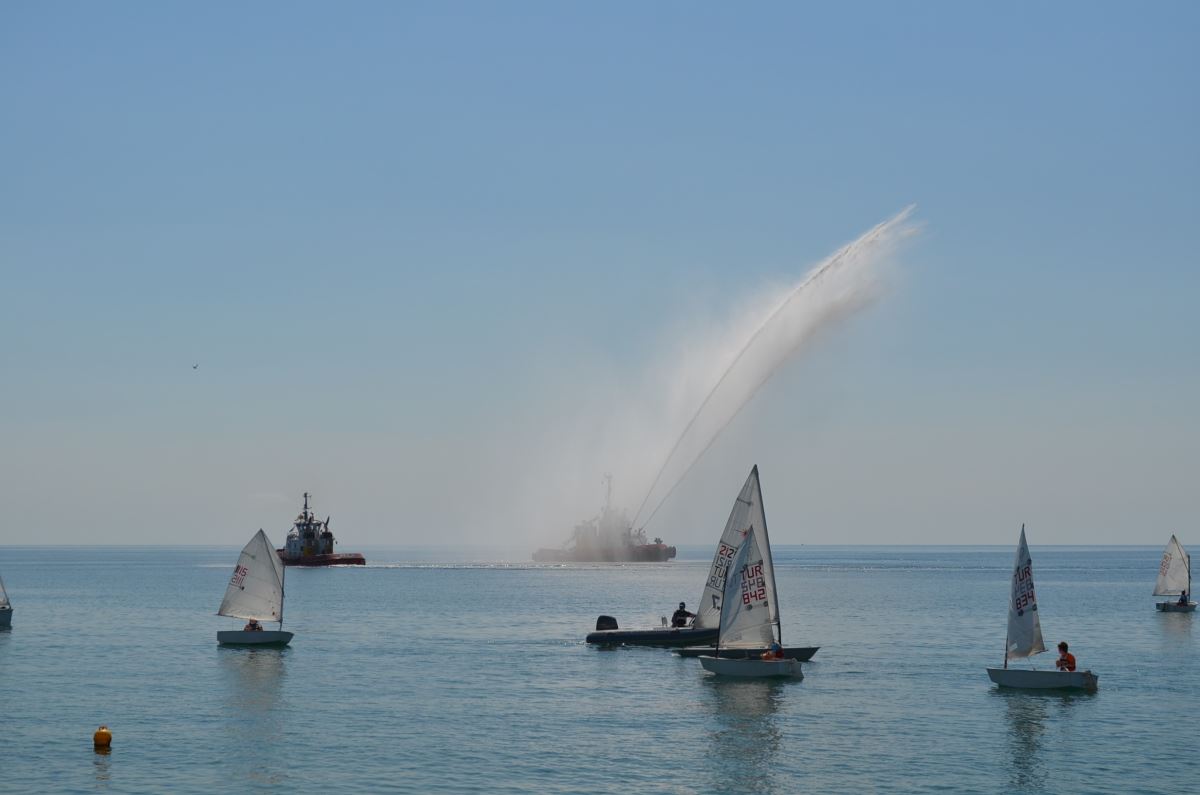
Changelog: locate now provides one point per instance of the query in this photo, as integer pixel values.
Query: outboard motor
(605, 622)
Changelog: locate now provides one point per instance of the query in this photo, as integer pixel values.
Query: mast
(778, 622)
(717, 653)
(282, 592)
(1009, 609)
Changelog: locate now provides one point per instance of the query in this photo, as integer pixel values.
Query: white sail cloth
(1024, 628)
(1174, 571)
(746, 614)
(256, 587)
(3, 595)
(747, 514)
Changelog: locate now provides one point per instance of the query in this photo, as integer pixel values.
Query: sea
(457, 671)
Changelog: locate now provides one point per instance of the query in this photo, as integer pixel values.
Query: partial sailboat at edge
(6, 610)
(748, 604)
(1175, 579)
(255, 593)
(1024, 636)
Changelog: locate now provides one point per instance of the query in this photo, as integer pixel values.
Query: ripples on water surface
(438, 671)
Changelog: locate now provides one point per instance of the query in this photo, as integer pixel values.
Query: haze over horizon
(445, 265)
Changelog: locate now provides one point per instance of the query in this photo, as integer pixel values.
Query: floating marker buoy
(102, 739)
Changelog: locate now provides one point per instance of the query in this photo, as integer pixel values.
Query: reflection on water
(1027, 713)
(253, 713)
(101, 767)
(744, 731)
(1177, 629)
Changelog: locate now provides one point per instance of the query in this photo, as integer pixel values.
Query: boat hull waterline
(335, 559)
(1026, 679)
(240, 637)
(800, 653)
(6, 618)
(640, 553)
(748, 668)
(1175, 607)
(667, 637)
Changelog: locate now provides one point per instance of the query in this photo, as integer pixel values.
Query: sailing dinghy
(255, 593)
(5, 608)
(699, 638)
(1175, 579)
(1024, 638)
(748, 604)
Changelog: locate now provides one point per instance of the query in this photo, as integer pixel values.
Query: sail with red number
(747, 517)
(1024, 626)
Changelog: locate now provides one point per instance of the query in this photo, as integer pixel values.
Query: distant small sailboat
(6, 610)
(1024, 637)
(749, 604)
(255, 593)
(1175, 579)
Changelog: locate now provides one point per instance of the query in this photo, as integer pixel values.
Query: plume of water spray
(836, 287)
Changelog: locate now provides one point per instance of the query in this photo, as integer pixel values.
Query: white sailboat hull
(752, 669)
(239, 637)
(1027, 679)
(5, 617)
(1175, 607)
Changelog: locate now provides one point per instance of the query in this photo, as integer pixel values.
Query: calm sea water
(441, 671)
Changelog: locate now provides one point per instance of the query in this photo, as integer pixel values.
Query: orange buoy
(102, 739)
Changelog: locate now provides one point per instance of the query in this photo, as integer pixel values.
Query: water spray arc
(853, 261)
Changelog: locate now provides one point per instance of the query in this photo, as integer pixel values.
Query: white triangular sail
(1024, 628)
(256, 587)
(746, 617)
(1174, 571)
(747, 514)
(3, 595)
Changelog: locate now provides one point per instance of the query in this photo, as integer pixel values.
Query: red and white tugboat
(310, 543)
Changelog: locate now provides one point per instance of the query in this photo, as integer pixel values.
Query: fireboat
(607, 538)
(310, 543)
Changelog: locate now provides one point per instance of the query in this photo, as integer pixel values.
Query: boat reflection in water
(1028, 714)
(745, 733)
(254, 712)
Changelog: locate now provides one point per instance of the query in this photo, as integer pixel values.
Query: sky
(445, 264)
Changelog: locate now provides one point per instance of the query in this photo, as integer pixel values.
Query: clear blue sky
(409, 243)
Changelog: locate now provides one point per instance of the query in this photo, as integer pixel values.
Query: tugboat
(607, 538)
(310, 543)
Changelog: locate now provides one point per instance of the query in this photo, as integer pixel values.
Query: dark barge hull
(647, 553)
(666, 637)
(336, 559)
(801, 653)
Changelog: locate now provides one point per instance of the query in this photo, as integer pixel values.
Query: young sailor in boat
(252, 626)
(773, 652)
(1066, 660)
(1183, 599)
(681, 617)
